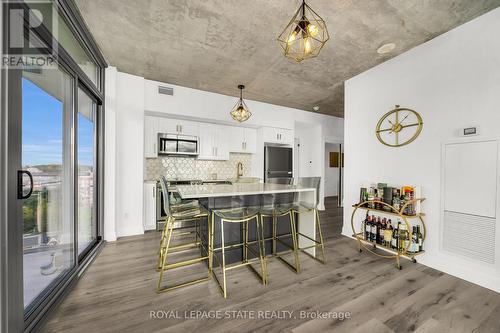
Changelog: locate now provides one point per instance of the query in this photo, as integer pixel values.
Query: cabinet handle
(180, 128)
(154, 190)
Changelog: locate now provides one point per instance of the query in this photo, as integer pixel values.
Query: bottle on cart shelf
(373, 229)
(366, 226)
(388, 234)
(377, 230)
(414, 239)
(403, 237)
(381, 231)
(420, 239)
(395, 235)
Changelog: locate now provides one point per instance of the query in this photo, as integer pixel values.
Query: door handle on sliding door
(20, 194)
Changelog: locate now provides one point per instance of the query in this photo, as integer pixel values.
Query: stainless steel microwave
(173, 144)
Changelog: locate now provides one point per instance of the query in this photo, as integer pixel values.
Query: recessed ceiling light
(316, 108)
(386, 48)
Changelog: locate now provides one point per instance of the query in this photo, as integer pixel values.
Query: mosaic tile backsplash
(192, 168)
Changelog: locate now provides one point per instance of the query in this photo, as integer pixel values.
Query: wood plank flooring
(117, 294)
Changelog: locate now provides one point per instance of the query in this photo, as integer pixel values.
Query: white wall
(129, 154)
(331, 174)
(453, 81)
(110, 155)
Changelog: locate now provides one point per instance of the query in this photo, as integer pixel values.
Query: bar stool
(273, 208)
(238, 215)
(302, 207)
(182, 212)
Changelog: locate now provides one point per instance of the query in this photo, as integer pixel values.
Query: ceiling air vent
(166, 90)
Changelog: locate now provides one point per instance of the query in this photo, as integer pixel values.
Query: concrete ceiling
(215, 45)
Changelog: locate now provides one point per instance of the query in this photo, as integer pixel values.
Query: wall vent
(471, 236)
(166, 90)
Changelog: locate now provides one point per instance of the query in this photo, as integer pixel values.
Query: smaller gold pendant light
(305, 35)
(240, 111)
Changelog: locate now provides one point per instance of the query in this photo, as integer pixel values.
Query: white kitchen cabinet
(250, 140)
(149, 216)
(277, 135)
(151, 126)
(213, 141)
(242, 140)
(179, 127)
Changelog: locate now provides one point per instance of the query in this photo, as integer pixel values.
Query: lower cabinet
(149, 218)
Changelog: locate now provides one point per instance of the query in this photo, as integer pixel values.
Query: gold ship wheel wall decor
(399, 127)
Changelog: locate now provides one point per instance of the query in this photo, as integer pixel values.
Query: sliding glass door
(48, 235)
(51, 130)
(86, 129)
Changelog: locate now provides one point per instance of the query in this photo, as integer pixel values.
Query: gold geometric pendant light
(305, 35)
(240, 111)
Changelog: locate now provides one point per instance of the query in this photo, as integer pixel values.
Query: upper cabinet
(151, 126)
(242, 140)
(213, 142)
(179, 127)
(277, 135)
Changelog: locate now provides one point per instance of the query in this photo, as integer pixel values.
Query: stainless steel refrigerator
(278, 162)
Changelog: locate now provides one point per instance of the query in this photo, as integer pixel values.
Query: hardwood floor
(117, 294)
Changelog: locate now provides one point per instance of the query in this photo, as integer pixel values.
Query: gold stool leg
(211, 242)
(169, 226)
(245, 244)
(162, 246)
(223, 245)
(318, 225)
(294, 241)
(274, 218)
(262, 249)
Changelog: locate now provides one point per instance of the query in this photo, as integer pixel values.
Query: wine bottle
(420, 239)
(381, 232)
(388, 233)
(365, 226)
(394, 243)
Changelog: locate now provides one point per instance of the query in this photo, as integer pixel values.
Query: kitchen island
(241, 195)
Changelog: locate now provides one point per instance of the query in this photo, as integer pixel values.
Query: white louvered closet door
(470, 199)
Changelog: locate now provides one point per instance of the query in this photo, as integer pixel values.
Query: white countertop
(211, 191)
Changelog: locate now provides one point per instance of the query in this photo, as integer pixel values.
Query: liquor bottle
(403, 238)
(396, 203)
(373, 229)
(365, 226)
(381, 231)
(414, 240)
(388, 234)
(395, 235)
(377, 230)
(420, 239)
